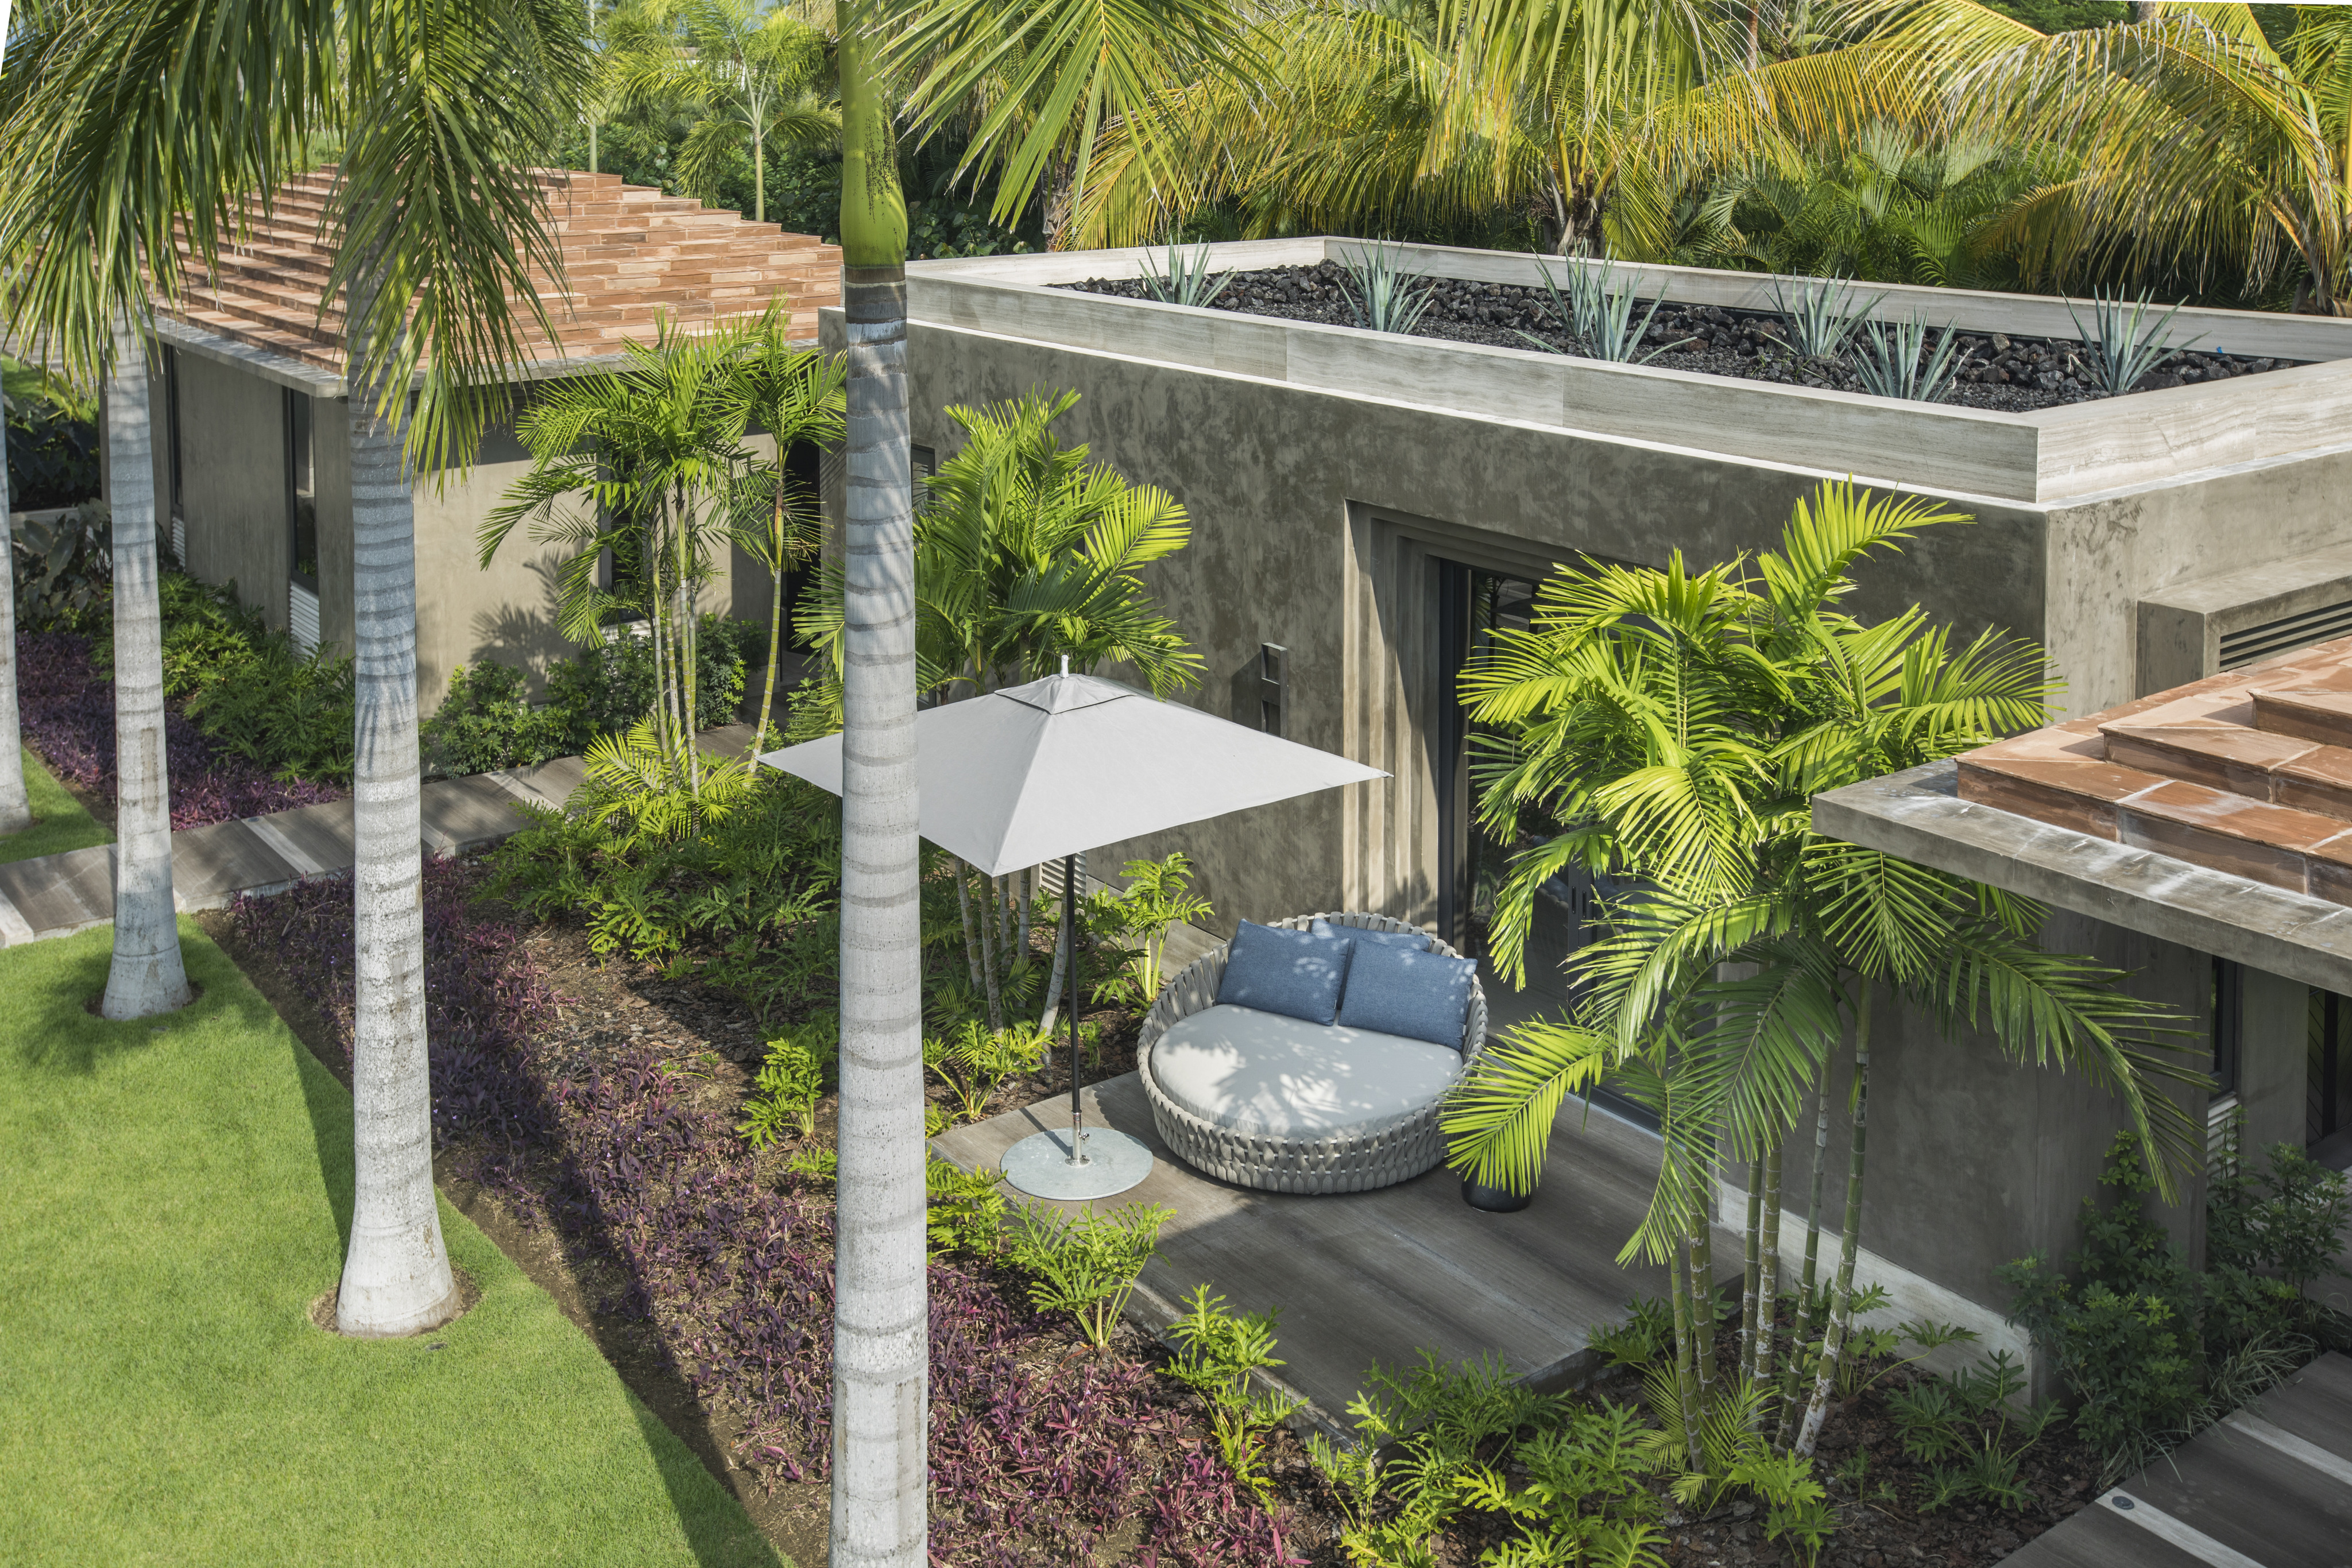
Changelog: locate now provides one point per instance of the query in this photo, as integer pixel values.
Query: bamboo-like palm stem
(1703, 1301)
(1849, 1243)
(1751, 1266)
(1799, 1335)
(1767, 1282)
(988, 913)
(1686, 1384)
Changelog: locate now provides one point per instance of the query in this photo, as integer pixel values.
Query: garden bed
(67, 710)
(584, 1115)
(1998, 370)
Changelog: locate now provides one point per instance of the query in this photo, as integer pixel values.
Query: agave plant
(1185, 279)
(1823, 319)
(1388, 299)
(2118, 352)
(1602, 316)
(1893, 361)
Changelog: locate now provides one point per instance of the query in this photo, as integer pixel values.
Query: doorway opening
(1475, 855)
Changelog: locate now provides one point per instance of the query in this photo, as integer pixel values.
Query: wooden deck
(1375, 1277)
(2269, 1487)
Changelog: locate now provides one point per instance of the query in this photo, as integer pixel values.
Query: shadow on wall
(528, 639)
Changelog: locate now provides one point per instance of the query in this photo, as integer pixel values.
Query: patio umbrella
(1037, 772)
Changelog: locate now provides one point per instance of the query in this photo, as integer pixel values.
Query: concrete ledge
(1918, 816)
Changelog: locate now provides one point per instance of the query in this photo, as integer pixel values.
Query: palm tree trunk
(1842, 1312)
(146, 976)
(775, 611)
(989, 912)
(1768, 1278)
(881, 1336)
(1685, 1382)
(970, 936)
(1026, 890)
(15, 805)
(1751, 1267)
(690, 667)
(1802, 1332)
(1702, 1281)
(397, 1278)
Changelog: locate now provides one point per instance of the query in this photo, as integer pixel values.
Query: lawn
(60, 823)
(176, 1193)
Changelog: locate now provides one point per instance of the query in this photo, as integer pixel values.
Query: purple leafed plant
(68, 717)
(1040, 1450)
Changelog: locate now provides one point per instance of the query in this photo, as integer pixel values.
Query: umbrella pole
(1070, 946)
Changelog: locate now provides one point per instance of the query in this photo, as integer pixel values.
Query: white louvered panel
(180, 541)
(302, 613)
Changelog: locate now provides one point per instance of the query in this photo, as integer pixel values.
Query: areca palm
(750, 80)
(1678, 724)
(635, 465)
(153, 124)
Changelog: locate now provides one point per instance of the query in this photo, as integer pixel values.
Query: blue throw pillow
(1418, 995)
(1298, 974)
(1413, 941)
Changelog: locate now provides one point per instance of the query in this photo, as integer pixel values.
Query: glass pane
(302, 495)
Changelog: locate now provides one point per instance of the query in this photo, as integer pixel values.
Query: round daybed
(1288, 1105)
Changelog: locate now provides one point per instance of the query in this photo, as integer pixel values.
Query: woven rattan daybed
(1378, 1143)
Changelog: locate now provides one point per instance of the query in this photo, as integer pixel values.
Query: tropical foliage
(1674, 725)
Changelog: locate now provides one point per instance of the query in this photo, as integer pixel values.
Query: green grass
(60, 823)
(173, 1194)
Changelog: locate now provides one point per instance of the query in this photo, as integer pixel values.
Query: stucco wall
(232, 476)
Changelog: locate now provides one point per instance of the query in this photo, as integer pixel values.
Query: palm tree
(653, 449)
(146, 976)
(1678, 725)
(794, 395)
(1025, 553)
(151, 126)
(15, 805)
(748, 77)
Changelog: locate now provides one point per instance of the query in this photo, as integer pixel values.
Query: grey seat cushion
(1268, 1073)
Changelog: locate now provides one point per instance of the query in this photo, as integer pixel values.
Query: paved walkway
(2269, 1487)
(55, 895)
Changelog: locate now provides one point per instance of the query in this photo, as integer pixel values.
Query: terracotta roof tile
(629, 254)
(2248, 772)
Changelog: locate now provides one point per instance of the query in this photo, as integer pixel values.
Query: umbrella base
(1040, 1165)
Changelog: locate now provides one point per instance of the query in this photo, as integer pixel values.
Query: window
(302, 498)
(2229, 1023)
(171, 420)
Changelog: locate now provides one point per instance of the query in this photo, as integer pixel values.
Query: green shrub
(965, 1210)
(799, 1068)
(2153, 1349)
(605, 689)
(64, 568)
(485, 723)
(1218, 1356)
(1086, 1264)
(288, 712)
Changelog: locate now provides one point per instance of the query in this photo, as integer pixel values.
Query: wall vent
(180, 541)
(302, 616)
(2253, 645)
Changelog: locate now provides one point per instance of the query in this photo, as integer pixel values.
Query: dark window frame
(301, 433)
(2229, 1024)
(175, 471)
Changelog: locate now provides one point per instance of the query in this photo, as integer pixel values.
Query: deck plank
(1367, 1278)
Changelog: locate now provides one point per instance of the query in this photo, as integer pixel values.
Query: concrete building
(252, 454)
(1357, 499)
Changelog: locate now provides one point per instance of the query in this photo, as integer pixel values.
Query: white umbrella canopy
(1025, 775)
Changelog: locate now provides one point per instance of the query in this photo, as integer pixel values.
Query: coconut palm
(150, 126)
(749, 81)
(15, 805)
(1679, 723)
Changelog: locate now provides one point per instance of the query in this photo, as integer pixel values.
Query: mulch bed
(2000, 372)
(66, 711)
(584, 1117)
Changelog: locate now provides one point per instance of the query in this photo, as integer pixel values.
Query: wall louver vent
(302, 610)
(2284, 636)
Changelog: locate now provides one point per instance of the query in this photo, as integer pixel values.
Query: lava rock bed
(1996, 370)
